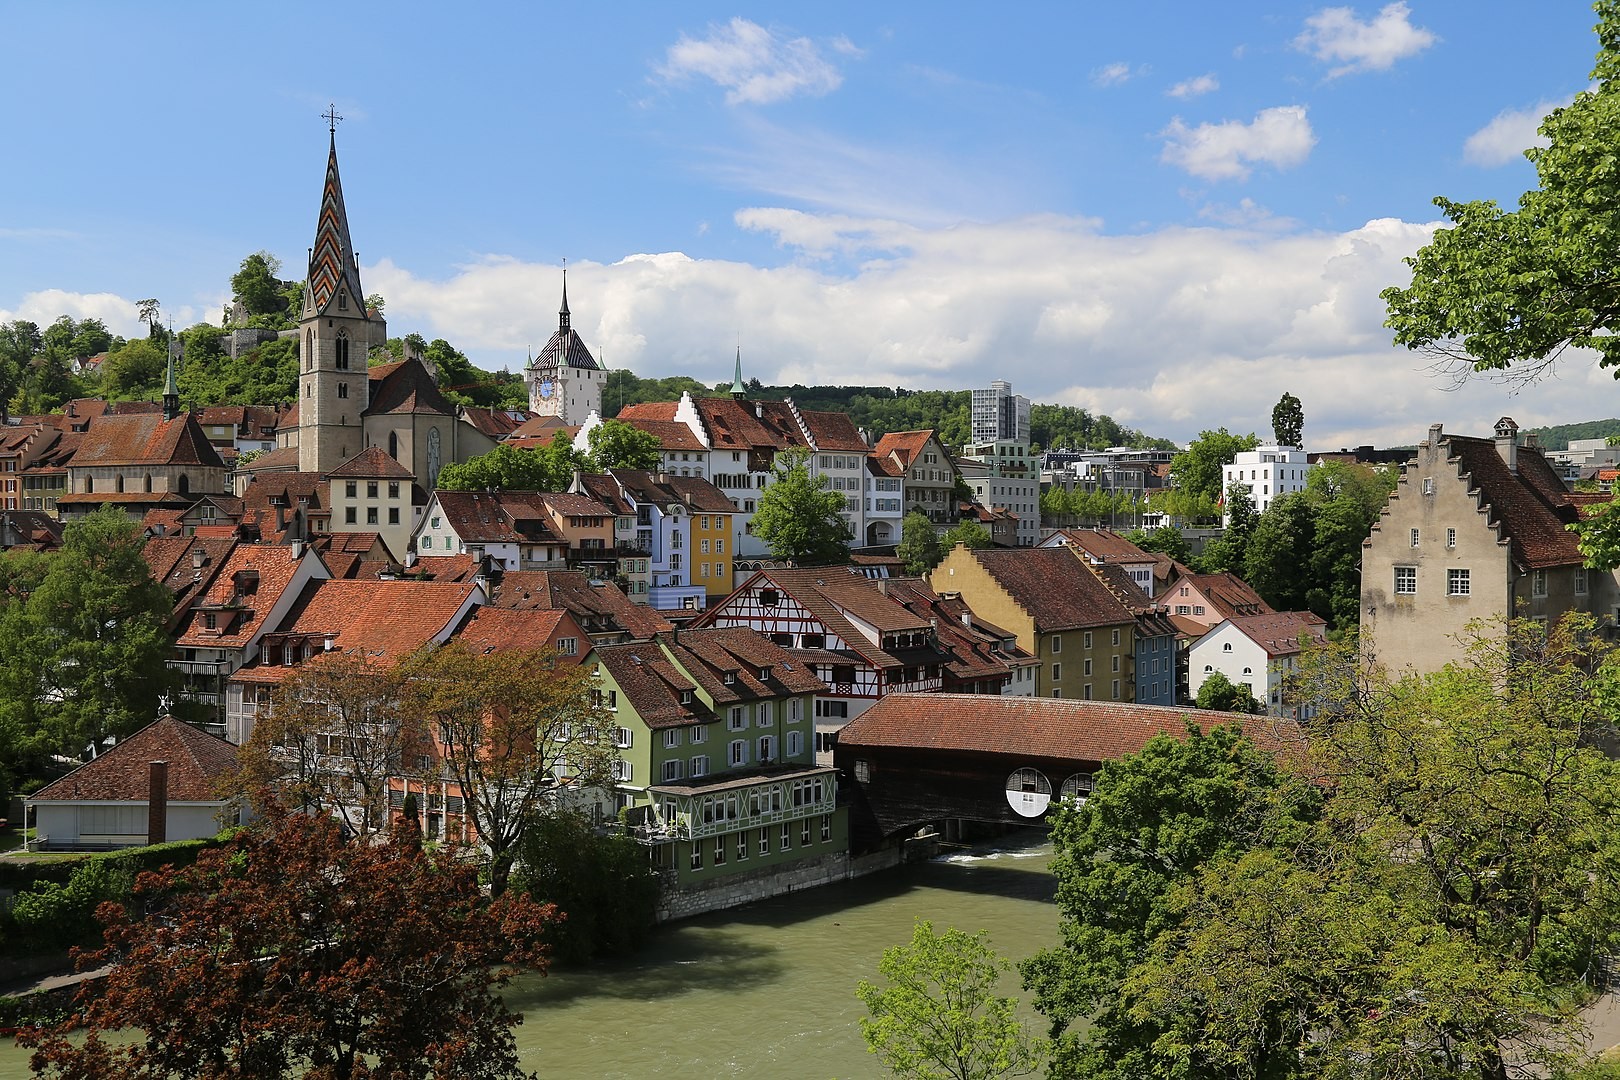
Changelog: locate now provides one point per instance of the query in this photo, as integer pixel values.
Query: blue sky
(1169, 212)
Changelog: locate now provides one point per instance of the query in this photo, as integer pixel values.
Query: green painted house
(717, 771)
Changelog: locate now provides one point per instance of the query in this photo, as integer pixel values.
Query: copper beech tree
(291, 953)
(514, 731)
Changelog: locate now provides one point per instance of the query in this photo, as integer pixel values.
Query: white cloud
(1194, 87)
(1111, 74)
(1171, 331)
(1280, 137)
(755, 66)
(1247, 214)
(1509, 134)
(1336, 35)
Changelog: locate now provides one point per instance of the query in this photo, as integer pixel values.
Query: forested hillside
(1559, 436)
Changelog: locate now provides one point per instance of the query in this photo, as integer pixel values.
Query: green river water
(768, 990)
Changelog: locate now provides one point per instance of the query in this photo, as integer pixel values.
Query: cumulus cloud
(1111, 74)
(1335, 35)
(1171, 331)
(754, 65)
(1280, 137)
(1194, 87)
(1509, 134)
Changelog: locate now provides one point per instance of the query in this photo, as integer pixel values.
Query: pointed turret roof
(738, 390)
(565, 348)
(331, 261)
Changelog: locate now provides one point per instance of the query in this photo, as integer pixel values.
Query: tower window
(343, 351)
(343, 389)
(343, 300)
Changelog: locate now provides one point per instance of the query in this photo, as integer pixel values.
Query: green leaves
(940, 1017)
(799, 516)
(513, 468)
(920, 548)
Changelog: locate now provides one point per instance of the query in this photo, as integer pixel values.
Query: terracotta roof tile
(197, 761)
(240, 597)
(1035, 727)
(1530, 506)
(1228, 594)
(671, 434)
(903, 446)
(146, 439)
(1055, 586)
(373, 462)
(1278, 632)
(483, 517)
(593, 604)
(493, 629)
(445, 567)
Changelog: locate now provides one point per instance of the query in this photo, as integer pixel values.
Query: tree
(799, 516)
(919, 547)
(966, 532)
(84, 656)
(513, 468)
(150, 312)
(614, 444)
(940, 1017)
(1227, 553)
(289, 952)
(135, 371)
(1223, 695)
(1509, 291)
(1166, 540)
(1153, 821)
(256, 287)
(1198, 469)
(333, 736)
(1288, 421)
(1276, 559)
(510, 727)
(1448, 910)
(599, 881)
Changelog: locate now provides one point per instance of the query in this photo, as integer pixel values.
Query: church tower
(336, 333)
(565, 380)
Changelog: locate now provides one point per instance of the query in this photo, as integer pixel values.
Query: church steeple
(738, 390)
(171, 388)
(564, 321)
(334, 269)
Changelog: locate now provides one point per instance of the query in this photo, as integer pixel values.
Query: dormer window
(730, 678)
(764, 674)
(686, 697)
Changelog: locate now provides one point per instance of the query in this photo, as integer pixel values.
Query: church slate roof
(331, 260)
(566, 348)
(406, 387)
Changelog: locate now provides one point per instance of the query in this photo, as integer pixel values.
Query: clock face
(545, 388)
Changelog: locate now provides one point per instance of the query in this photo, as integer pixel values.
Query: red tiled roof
(496, 423)
(197, 761)
(373, 462)
(1228, 594)
(592, 603)
(482, 517)
(1055, 586)
(1035, 727)
(444, 567)
(1278, 632)
(384, 621)
(493, 629)
(649, 410)
(240, 597)
(976, 649)
(671, 434)
(146, 439)
(904, 446)
(1101, 544)
(570, 505)
(282, 457)
(1530, 506)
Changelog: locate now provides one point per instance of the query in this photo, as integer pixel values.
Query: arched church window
(184, 486)
(309, 350)
(148, 481)
(343, 300)
(343, 389)
(120, 483)
(393, 445)
(343, 350)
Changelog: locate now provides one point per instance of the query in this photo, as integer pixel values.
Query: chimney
(1507, 442)
(1434, 435)
(198, 558)
(157, 802)
(297, 550)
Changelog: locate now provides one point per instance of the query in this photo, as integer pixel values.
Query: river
(768, 990)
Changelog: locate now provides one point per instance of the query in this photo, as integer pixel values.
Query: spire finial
(171, 387)
(332, 118)
(563, 318)
(738, 390)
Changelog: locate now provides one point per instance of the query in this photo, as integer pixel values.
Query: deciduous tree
(614, 444)
(1198, 469)
(940, 1017)
(291, 953)
(970, 533)
(799, 516)
(1223, 695)
(1509, 290)
(513, 468)
(919, 547)
(600, 881)
(334, 734)
(513, 730)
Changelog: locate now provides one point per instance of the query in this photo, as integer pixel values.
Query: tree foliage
(614, 444)
(333, 735)
(1288, 421)
(799, 516)
(1154, 820)
(919, 548)
(257, 288)
(1444, 915)
(135, 371)
(1223, 695)
(970, 533)
(83, 644)
(510, 729)
(1509, 290)
(1166, 540)
(291, 953)
(939, 1017)
(514, 468)
(1198, 469)
(599, 881)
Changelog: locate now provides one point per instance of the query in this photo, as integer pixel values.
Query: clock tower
(565, 380)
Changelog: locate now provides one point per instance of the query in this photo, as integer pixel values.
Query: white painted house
(1257, 651)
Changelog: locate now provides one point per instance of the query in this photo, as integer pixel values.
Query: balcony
(205, 668)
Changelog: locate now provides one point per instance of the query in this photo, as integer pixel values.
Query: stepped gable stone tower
(565, 380)
(336, 333)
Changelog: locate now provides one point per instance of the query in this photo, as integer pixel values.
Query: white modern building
(999, 414)
(1267, 471)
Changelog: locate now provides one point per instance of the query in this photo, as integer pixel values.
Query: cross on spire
(332, 118)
